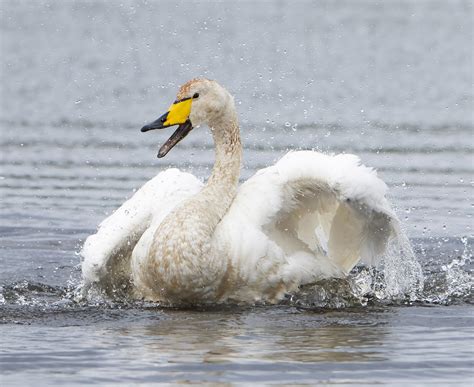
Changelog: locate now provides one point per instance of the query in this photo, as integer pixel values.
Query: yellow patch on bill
(179, 112)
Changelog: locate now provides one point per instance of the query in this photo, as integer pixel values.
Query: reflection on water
(217, 338)
(272, 344)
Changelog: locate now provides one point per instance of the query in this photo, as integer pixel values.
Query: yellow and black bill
(178, 114)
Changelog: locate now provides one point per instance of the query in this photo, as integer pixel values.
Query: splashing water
(459, 281)
(399, 279)
(402, 273)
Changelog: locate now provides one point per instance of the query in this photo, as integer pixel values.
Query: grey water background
(389, 81)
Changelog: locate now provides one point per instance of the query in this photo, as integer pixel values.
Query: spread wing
(106, 254)
(312, 206)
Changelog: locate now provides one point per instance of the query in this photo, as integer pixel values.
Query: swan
(178, 241)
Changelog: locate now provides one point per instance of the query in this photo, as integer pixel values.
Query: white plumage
(309, 216)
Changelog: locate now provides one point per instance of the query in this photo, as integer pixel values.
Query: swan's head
(199, 101)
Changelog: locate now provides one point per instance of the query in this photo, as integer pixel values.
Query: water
(391, 82)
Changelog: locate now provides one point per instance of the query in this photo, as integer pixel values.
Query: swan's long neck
(222, 184)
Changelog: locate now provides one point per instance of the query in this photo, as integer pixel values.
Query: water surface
(390, 82)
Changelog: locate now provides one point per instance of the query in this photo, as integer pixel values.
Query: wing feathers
(107, 253)
(328, 205)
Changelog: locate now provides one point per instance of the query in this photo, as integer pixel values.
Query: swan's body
(308, 217)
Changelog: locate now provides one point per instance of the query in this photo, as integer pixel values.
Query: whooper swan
(179, 241)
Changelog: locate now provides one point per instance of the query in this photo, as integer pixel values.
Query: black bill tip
(157, 124)
(146, 128)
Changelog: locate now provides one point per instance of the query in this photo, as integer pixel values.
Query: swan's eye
(196, 95)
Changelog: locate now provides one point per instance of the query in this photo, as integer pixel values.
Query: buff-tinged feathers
(309, 216)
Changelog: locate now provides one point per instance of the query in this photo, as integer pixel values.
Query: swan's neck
(222, 185)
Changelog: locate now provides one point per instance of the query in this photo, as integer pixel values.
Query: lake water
(389, 81)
